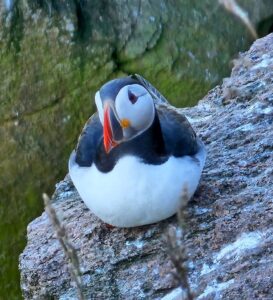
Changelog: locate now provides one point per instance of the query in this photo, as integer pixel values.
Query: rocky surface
(54, 55)
(229, 236)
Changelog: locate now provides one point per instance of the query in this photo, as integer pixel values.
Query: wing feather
(179, 137)
(88, 141)
(157, 96)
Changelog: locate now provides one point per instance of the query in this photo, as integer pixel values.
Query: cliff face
(54, 55)
(229, 235)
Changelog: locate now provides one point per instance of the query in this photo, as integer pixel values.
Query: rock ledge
(230, 231)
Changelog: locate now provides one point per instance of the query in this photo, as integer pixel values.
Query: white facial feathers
(136, 105)
(133, 108)
(99, 106)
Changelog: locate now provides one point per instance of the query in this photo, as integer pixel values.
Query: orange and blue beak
(112, 128)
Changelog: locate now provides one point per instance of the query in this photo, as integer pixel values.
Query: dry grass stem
(178, 255)
(182, 212)
(68, 248)
(177, 249)
(233, 7)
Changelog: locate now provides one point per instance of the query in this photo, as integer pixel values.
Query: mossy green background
(54, 55)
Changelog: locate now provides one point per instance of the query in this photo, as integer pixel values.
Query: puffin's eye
(135, 110)
(132, 97)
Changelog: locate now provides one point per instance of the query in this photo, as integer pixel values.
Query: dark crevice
(121, 64)
(265, 26)
(15, 30)
(31, 113)
(81, 19)
(115, 54)
(163, 292)
(117, 62)
(128, 261)
(51, 7)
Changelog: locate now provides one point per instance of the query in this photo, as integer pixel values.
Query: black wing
(179, 137)
(157, 96)
(88, 142)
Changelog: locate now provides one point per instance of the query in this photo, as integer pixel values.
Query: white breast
(134, 193)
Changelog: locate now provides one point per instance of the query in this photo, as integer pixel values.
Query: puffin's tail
(71, 162)
(201, 153)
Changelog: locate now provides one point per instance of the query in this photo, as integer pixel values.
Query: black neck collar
(148, 147)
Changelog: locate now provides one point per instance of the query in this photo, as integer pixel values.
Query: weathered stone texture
(229, 226)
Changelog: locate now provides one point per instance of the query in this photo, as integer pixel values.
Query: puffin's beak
(112, 130)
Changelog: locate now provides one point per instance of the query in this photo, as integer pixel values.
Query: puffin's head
(126, 109)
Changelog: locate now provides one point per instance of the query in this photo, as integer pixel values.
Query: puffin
(136, 155)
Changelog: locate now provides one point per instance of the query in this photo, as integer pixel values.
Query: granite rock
(229, 232)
